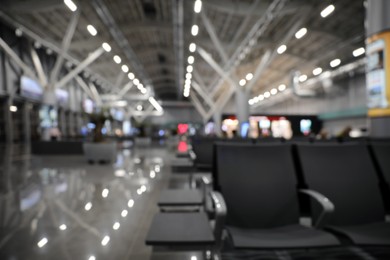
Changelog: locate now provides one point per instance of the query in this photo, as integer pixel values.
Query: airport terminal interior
(194, 129)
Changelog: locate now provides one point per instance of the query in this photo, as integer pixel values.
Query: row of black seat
(258, 183)
(203, 146)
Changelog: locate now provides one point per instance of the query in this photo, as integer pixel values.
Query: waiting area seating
(257, 197)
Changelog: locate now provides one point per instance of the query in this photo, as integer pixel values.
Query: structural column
(26, 122)
(242, 107)
(217, 117)
(378, 66)
(9, 135)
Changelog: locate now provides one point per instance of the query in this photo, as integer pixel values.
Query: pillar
(378, 66)
(242, 108)
(9, 135)
(26, 107)
(217, 118)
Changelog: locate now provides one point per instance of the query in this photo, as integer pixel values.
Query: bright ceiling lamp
(131, 76)
(188, 75)
(281, 49)
(71, 5)
(317, 71)
(136, 82)
(125, 69)
(251, 102)
(242, 82)
(260, 97)
(106, 47)
(191, 59)
(92, 30)
(249, 76)
(198, 6)
(194, 30)
(302, 32)
(274, 91)
(327, 11)
(117, 59)
(267, 94)
(154, 103)
(42, 242)
(358, 52)
(282, 87)
(190, 68)
(192, 47)
(302, 78)
(335, 63)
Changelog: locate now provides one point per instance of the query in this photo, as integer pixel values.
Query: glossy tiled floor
(61, 207)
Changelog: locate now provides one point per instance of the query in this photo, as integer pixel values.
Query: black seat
(203, 148)
(346, 175)
(381, 152)
(259, 187)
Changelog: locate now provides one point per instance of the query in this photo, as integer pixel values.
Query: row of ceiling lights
(192, 49)
(92, 30)
(303, 77)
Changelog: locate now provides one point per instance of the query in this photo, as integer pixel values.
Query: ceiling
(152, 38)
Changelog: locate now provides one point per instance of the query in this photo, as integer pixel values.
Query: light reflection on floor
(61, 207)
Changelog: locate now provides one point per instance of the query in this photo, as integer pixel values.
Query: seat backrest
(346, 175)
(258, 183)
(203, 148)
(382, 155)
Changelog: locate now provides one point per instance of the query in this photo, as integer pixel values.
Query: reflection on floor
(61, 207)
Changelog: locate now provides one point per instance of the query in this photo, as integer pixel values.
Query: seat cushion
(180, 229)
(291, 236)
(180, 197)
(370, 234)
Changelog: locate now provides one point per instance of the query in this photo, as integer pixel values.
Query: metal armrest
(220, 211)
(327, 206)
(192, 155)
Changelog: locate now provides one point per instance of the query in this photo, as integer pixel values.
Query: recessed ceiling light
(198, 6)
(274, 91)
(249, 76)
(131, 76)
(190, 68)
(302, 78)
(335, 63)
(242, 82)
(266, 94)
(358, 52)
(117, 59)
(317, 71)
(71, 5)
(125, 69)
(92, 30)
(194, 30)
(282, 87)
(299, 34)
(192, 47)
(327, 11)
(116, 226)
(191, 59)
(105, 240)
(42, 242)
(281, 49)
(106, 47)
